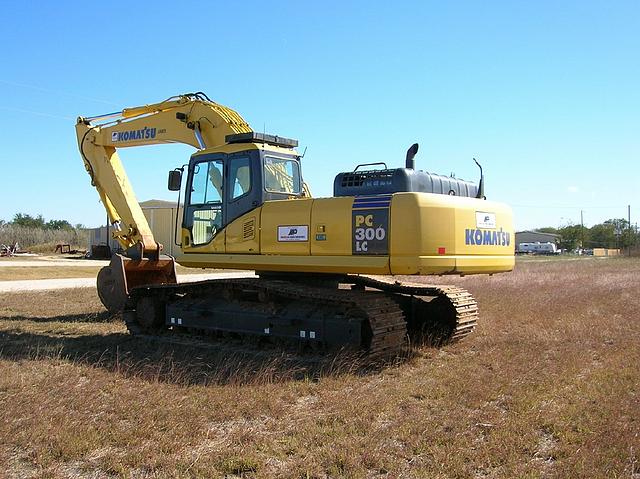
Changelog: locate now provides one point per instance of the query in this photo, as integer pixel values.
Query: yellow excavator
(326, 267)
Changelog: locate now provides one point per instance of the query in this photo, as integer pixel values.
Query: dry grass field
(548, 386)
(15, 273)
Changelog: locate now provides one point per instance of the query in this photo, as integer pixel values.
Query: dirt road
(35, 263)
(69, 283)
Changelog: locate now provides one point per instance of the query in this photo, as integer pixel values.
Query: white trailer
(537, 248)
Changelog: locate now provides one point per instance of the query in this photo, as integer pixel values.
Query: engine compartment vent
(400, 180)
(397, 180)
(249, 229)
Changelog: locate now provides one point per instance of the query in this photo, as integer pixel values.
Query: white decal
(293, 233)
(485, 220)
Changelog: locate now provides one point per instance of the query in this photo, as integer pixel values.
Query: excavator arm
(191, 119)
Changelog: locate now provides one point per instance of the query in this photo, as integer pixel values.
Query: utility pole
(629, 225)
(581, 230)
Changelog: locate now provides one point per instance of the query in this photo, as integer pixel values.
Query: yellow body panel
(330, 230)
(430, 235)
(216, 245)
(243, 234)
(290, 263)
(285, 227)
(427, 234)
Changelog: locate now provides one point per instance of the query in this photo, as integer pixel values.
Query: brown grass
(15, 273)
(547, 387)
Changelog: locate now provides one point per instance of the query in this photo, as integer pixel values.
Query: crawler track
(383, 326)
(377, 322)
(447, 311)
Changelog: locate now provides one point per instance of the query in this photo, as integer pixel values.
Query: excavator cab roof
(239, 146)
(255, 137)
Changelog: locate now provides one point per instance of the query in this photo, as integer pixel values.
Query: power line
(545, 207)
(57, 92)
(39, 113)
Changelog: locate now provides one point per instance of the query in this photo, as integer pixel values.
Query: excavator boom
(190, 119)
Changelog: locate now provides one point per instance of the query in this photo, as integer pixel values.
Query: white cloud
(572, 189)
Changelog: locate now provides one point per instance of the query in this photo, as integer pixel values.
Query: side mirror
(175, 180)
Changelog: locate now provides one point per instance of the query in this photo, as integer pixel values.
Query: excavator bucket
(123, 274)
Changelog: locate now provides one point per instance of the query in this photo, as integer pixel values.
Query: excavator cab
(226, 182)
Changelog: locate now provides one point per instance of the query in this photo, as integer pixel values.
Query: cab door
(243, 192)
(204, 211)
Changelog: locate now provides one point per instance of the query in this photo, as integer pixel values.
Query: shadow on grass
(100, 317)
(217, 362)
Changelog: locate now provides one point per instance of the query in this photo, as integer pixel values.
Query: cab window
(206, 186)
(282, 175)
(240, 176)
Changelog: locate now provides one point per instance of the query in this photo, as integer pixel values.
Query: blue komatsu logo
(141, 134)
(484, 237)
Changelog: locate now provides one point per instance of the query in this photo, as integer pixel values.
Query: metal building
(161, 216)
(101, 236)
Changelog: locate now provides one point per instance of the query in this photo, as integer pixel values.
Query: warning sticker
(293, 233)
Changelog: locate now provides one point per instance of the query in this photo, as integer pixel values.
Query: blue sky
(545, 94)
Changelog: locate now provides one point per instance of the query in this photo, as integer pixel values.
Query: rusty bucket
(123, 274)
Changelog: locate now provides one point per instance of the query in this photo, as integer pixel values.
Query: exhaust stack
(411, 153)
(480, 194)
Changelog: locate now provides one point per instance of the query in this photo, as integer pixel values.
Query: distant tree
(620, 225)
(21, 219)
(602, 235)
(572, 236)
(622, 231)
(2, 223)
(548, 229)
(58, 225)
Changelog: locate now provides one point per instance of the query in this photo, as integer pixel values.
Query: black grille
(367, 178)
